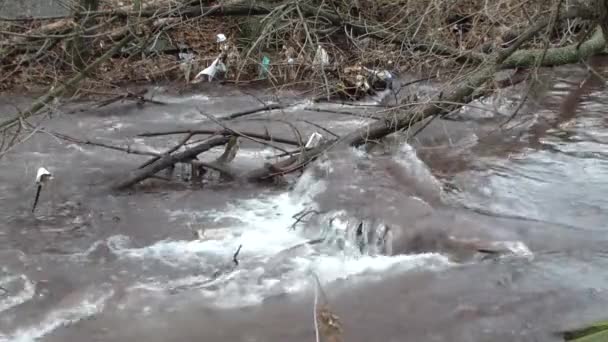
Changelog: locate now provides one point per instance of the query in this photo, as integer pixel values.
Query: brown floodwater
(92, 264)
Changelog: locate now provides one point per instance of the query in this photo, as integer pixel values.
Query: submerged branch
(266, 136)
(169, 160)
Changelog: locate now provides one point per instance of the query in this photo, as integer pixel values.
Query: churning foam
(274, 258)
(81, 307)
(26, 293)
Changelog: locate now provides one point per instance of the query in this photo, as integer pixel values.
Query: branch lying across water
(465, 92)
(222, 132)
(573, 53)
(169, 160)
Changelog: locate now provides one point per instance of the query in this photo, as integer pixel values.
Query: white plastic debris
(314, 140)
(220, 38)
(43, 175)
(321, 57)
(384, 75)
(186, 56)
(211, 71)
(361, 83)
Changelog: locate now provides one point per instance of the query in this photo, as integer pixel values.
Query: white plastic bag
(43, 175)
(321, 57)
(211, 71)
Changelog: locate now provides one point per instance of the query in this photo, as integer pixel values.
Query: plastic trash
(361, 83)
(314, 140)
(381, 78)
(220, 38)
(321, 57)
(211, 71)
(265, 67)
(43, 175)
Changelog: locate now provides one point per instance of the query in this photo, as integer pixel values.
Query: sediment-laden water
(156, 263)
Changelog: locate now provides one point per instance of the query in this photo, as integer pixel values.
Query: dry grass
(461, 25)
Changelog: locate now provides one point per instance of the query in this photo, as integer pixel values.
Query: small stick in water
(236, 255)
(37, 197)
(42, 176)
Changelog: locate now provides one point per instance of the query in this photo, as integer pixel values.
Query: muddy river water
(93, 264)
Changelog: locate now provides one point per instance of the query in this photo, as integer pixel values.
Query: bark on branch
(169, 160)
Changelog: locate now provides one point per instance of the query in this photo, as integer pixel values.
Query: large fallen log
(569, 54)
(465, 92)
(442, 104)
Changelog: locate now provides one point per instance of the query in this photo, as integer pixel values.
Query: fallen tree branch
(239, 134)
(573, 53)
(253, 111)
(139, 97)
(168, 152)
(291, 164)
(42, 101)
(128, 150)
(461, 94)
(169, 160)
(224, 132)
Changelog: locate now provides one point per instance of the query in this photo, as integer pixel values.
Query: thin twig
(236, 255)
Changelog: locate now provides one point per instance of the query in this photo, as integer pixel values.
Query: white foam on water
(92, 303)
(181, 99)
(264, 232)
(256, 153)
(11, 299)
(517, 248)
(415, 167)
(299, 106)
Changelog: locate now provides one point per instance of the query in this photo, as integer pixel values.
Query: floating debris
(314, 140)
(42, 177)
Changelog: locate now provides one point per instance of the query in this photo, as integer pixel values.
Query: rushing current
(465, 232)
